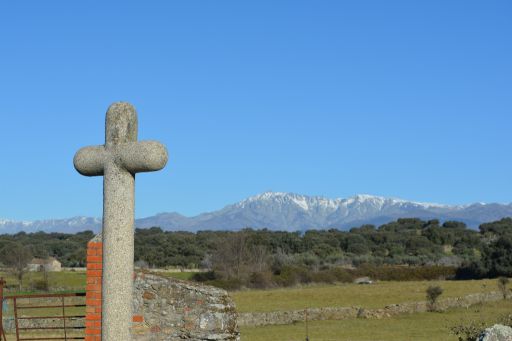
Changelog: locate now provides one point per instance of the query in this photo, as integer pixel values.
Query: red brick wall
(93, 292)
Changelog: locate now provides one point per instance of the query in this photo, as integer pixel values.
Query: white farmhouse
(49, 264)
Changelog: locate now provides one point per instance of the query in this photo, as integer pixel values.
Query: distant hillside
(290, 212)
(71, 225)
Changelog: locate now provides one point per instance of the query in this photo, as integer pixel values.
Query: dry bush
(260, 280)
(503, 286)
(433, 293)
(468, 331)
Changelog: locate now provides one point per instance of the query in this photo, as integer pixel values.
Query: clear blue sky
(409, 99)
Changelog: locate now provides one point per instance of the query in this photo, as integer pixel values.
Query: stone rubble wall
(343, 313)
(171, 309)
(9, 326)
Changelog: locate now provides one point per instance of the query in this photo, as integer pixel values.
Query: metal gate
(55, 307)
(52, 311)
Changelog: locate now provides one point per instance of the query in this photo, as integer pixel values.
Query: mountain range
(290, 212)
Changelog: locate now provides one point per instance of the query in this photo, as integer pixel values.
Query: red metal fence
(63, 324)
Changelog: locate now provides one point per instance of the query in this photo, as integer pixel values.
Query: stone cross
(118, 161)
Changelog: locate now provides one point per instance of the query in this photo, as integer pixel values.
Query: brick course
(93, 291)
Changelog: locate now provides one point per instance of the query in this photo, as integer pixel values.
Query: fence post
(2, 332)
(64, 318)
(307, 327)
(15, 307)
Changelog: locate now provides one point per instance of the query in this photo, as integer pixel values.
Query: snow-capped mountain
(291, 212)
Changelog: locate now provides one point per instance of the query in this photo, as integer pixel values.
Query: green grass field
(417, 327)
(376, 295)
(61, 281)
(65, 280)
(179, 275)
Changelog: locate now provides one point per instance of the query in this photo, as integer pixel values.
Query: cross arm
(143, 156)
(90, 161)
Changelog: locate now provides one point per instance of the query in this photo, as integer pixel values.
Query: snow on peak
(308, 203)
(277, 198)
(4, 222)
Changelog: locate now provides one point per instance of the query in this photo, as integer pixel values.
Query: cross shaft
(118, 161)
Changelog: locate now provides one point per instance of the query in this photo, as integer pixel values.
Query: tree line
(413, 242)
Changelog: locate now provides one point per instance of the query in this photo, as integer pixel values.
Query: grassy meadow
(186, 276)
(64, 280)
(376, 295)
(57, 281)
(417, 327)
(421, 326)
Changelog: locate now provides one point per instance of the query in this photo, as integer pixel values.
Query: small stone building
(363, 280)
(49, 264)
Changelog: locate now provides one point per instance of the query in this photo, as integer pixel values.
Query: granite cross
(117, 161)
